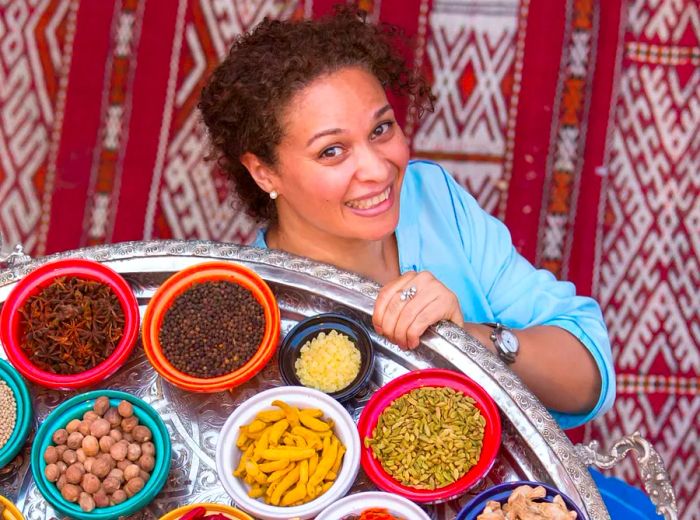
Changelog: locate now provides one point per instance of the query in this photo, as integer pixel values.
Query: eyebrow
(333, 131)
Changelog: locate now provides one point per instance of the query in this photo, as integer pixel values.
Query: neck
(373, 259)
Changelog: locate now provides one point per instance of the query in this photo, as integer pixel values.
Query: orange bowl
(229, 511)
(180, 282)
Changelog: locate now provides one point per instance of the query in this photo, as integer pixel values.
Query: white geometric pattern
(26, 113)
(190, 195)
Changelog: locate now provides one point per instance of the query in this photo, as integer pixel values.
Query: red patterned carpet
(577, 122)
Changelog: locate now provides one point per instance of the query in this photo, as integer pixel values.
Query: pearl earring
(273, 194)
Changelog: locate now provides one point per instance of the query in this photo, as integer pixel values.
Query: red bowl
(10, 328)
(434, 378)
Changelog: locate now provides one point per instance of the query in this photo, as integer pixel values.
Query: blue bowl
(501, 492)
(74, 408)
(25, 416)
(307, 329)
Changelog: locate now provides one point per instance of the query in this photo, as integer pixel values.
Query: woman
(299, 117)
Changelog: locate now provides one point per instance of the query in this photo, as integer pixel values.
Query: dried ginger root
(522, 505)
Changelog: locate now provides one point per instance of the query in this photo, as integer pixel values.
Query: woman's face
(341, 159)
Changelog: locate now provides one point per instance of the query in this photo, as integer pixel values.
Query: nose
(371, 165)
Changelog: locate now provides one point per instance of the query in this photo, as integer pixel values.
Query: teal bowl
(25, 416)
(74, 408)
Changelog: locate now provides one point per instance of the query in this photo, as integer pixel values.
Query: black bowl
(307, 329)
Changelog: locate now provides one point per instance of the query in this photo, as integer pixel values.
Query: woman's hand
(403, 321)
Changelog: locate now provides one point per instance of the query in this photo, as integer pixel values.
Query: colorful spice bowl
(430, 378)
(228, 454)
(178, 284)
(359, 502)
(230, 512)
(74, 408)
(11, 321)
(10, 512)
(501, 492)
(24, 416)
(308, 329)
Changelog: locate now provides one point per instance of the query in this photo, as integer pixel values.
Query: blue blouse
(442, 229)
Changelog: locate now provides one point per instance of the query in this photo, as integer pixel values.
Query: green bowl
(25, 416)
(74, 408)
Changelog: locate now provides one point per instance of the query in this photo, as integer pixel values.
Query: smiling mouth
(370, 202)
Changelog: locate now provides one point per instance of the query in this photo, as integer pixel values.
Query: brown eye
(330, 152)
(382, 129)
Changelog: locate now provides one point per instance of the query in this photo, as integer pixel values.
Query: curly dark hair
(241, 104)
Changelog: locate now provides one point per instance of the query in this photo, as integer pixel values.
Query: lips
(369, 202)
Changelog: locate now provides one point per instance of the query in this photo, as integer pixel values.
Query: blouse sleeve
(522, 296)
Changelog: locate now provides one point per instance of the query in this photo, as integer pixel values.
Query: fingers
(386, 297)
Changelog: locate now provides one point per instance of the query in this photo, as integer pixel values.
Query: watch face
(509, 341)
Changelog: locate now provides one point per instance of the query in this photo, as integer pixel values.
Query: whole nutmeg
(145, 476)
(74, 473)
(123, 464)
(101, 498)
(110, 485)
(80, 452)
(112, 416)
(118, 474)
(108, 458)
(148, 448)
(90, 483)
(51, 455)
(101, 405)
(88, 464)
(60, 436)
(61, 449)
(131, 471)
(72, 426)
(70, 492)
(133, 451)
(75, 440)
(133, 486)
(119, 450)
(126, 409)
(69, 457)
(100, 468)
(84, 427)
(61, 482)
(91, 446)
(90, 416)
(142, 433)
(100, 427)
(117, 435)
(118, 497)
(62, 466)
(106, 443)
(86, 502)
(147, 462)
(129, 437)
(129, 423)
(51, 472)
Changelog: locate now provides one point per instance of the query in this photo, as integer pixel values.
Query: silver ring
(409, 293)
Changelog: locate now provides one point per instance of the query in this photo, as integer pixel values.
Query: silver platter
(533, 448)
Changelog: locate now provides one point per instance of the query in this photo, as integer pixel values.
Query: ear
(262, 174)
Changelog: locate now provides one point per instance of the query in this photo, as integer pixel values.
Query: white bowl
(357, 503)
(228, 455)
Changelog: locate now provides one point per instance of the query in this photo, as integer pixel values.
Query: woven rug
(576, 122)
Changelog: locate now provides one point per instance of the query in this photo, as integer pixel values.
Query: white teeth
(370, 203)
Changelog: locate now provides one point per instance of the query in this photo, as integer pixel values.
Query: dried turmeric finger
(338, 459)
(291, 412)
(242, 437)
(313, 412)
(276, 431)
(269, 467)
(304, 473)
(295, 495)
(244, 458)
(256, 426)
(287, 482)
(257, 491)
(287, 452)
(325, 464)
(313, 463)
(270, 416)
(313, 439)
(277, 475)
(251, 468)
(313, 424)
(261, 445)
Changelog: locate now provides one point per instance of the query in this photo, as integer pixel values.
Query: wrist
(482, 333)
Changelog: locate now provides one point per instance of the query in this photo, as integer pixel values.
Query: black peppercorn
(212, 329)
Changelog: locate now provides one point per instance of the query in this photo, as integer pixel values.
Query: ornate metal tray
(533, 448)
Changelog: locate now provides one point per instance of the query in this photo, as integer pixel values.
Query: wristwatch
(506, 342)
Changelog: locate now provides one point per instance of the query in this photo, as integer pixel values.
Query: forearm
(554, 364)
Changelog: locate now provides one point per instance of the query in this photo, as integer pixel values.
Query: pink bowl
(10, 327)
(433, 378)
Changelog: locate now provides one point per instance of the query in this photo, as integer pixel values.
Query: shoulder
(428, 183)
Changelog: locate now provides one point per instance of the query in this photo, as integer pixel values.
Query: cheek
(325, 190)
